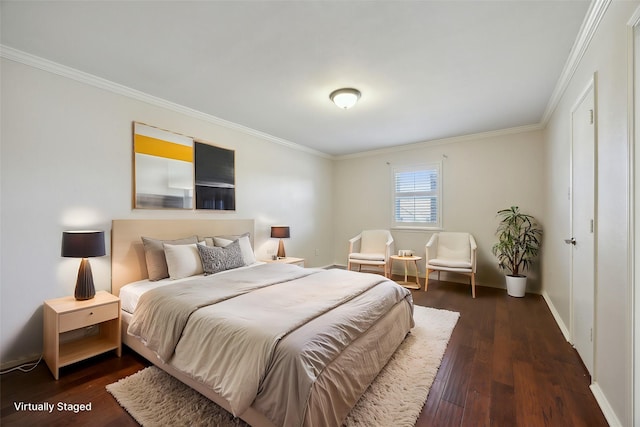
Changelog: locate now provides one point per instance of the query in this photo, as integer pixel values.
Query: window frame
(437, 225)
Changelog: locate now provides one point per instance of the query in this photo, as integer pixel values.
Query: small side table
(407, 260)
(66, 314)
(287, 260)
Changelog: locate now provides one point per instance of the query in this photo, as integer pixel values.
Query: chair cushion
(451, 263)
(366, 257)
(374, 241)
(454, 247)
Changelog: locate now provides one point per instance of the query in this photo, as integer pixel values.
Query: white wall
(66, 164)
(481, 174)
(606, 56)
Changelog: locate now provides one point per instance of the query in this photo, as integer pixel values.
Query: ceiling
(426, 69)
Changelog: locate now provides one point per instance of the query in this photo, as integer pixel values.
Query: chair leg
(349, 265)
(426, 280)
(473, 284)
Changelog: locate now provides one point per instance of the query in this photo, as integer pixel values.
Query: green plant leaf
(518, 240)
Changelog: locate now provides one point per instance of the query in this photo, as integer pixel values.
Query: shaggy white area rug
(396, 396)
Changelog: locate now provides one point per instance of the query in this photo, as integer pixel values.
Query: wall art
(163, 168)
(174, 171)
(215, 185)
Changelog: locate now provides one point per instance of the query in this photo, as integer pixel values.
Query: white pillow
(182, 260)
(154, 255)
(245, 247)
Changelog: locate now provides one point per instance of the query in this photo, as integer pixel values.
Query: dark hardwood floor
(507, 364)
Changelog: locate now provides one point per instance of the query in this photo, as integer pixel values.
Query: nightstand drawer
(287, 260)
(87, 316)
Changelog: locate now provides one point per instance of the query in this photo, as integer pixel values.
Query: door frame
(633, 128)
(592, 84)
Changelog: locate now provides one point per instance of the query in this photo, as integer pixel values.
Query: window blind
(417, 196)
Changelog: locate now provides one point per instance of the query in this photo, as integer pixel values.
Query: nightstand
(76, 330)
(287, 260)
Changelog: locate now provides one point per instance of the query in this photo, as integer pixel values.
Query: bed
(274, 344)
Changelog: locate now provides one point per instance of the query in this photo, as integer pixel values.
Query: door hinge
(591, 226)
(591, 334)
(590, 117)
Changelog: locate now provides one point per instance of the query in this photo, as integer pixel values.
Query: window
(417, 201)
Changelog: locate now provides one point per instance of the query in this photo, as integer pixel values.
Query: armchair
(371, 247)
(452, 252)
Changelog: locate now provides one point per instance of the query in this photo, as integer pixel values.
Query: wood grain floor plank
(455, 391)
(502, 345)
(502, 410)
(448, 415)
(531, 405)
(477, 410)
(481, 371)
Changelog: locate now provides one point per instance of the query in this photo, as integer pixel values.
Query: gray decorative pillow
(245, 246)
(216, 259)
(154, 254)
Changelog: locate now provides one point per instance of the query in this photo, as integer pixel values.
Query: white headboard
(128, 263)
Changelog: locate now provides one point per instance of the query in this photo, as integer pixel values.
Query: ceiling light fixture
(345, 98)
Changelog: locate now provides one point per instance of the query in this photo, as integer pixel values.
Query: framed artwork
(174, 171)
(163, 168)
(215, 177)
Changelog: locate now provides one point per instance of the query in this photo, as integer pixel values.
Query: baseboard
(556, 316)
(606, 408)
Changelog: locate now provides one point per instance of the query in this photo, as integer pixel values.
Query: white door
(583, 225)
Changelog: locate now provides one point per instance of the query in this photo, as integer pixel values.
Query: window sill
(415, 228)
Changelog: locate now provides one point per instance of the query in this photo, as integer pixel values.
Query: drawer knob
(91, 313)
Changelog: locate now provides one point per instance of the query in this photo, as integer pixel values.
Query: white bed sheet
(130, 293)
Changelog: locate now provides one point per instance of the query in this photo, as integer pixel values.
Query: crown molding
(594, 15)
(443, 141)
(99, 82)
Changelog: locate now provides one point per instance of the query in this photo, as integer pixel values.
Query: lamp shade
(83, 244)
(280, 232)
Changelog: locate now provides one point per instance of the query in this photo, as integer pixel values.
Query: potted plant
(519, 237)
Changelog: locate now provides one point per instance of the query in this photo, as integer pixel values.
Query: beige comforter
(224, 330)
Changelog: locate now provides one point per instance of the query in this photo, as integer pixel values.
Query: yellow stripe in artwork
(157, 147)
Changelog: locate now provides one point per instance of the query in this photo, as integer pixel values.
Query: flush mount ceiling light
(345, 98)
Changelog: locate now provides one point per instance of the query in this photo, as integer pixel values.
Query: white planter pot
(516, 286)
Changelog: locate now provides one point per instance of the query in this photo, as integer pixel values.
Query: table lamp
(280, 232)
(83, 244)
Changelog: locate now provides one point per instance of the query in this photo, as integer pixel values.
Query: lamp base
(84, 285)
(281, 253)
